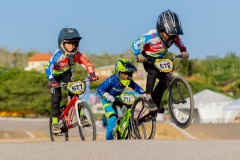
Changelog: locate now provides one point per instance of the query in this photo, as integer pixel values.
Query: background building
(38, 62)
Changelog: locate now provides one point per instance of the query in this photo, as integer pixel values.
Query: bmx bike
(180, 102)
(124, 129)
(77, 113)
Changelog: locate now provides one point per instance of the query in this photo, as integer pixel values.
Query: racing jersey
(59, 64)
(113, 86)
(152, 45)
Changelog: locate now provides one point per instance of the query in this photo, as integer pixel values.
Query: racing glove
(184, 55)
(108, 97)
(140, 58)
(93, 77)
(53, 83)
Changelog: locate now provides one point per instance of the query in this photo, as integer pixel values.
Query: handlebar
(63, 84)
(152, 60)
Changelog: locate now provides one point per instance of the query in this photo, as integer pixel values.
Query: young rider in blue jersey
(61, 66)
(154, 45)
(112, 87)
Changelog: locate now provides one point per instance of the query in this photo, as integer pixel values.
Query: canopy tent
(235, 105)
(209, 106)
(232, 110)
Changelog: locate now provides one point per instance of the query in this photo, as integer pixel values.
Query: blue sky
(211, 28)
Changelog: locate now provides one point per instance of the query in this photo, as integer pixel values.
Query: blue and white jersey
(59, 64)
(113, 86)
(152, 45)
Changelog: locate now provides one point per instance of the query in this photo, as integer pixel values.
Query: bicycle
(77, 113)
(180, 101)
(123, 129)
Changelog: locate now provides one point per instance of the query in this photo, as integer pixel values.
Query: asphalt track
(23, 139)
(123, 150)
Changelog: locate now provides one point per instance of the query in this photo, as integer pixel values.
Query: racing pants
(111, 114)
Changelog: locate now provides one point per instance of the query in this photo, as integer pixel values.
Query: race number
(164, 65)
(76, 87)
(127, 98)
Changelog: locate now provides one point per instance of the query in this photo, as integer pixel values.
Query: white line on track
(183, 131)
(30, 134)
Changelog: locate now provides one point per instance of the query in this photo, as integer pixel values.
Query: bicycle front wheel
(180, 102)
(63, 136)
(143, 122)
(87, 128)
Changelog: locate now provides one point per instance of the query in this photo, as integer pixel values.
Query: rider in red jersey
(61, 66)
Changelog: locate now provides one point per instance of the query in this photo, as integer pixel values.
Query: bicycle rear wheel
(87, 129)
(63, 136)
(180, 102)
(143, 122)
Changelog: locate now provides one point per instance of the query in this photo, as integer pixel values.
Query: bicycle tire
(63, 136)
(180, 102)
(130, 134)
(87, 130)
(143, 122)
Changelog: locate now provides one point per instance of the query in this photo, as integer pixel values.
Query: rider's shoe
(150, 105)
(161, 109)
(56, 128)
(86, 122)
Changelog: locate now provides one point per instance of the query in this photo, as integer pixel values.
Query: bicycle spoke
(87, 129)
(181, 102)
(144, 123)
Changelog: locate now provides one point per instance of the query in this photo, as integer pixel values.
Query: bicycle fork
(77, 112)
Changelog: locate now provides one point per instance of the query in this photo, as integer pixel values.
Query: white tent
(232, 110)
(209, 105)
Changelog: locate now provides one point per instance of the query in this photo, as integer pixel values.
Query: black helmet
(68, 34)
(170, 23)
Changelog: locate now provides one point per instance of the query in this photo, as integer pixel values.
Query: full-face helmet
(124, 66)
(68, 35)
(170, 23)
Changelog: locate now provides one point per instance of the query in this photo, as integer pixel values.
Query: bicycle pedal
(86, 124)
(58, 134)
(74, 124)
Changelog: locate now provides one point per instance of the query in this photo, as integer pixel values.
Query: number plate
(76, 87)
(127, 98)
(164, 65)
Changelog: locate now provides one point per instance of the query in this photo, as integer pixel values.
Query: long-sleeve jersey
(153, 46)
(59, 64)
(115, 88)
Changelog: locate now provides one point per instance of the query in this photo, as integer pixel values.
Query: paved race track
(23, 139)
(123, 150)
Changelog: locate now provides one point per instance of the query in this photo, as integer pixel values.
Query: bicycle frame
(72, 106)
(123, 125)
(146, 117)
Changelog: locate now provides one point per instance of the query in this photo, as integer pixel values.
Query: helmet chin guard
(124, 66)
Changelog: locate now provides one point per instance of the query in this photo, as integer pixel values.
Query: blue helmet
(68, 34)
